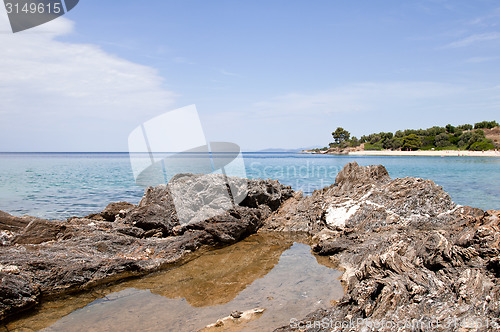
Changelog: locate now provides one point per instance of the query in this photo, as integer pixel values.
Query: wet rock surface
(410, 256)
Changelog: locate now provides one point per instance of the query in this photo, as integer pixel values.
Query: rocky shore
(412, 259)
(408, 253)
(41, 258)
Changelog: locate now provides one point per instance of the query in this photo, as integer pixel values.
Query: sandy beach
(428, 153)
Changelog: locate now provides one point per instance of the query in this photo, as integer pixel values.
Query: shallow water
(275, 272)
(61, 185)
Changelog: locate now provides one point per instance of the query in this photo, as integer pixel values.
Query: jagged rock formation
(41, 258)
(409, 254)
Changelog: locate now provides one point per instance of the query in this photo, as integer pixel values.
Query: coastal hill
(482, 136)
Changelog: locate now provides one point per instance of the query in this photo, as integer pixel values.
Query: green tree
(434, 131)
(408, 132)
(393, 143)
(374, 138)
(354, 141)
(340, 135)
(463, 142)
(442, 140)
(465, 127)
(470, 137)
(386, 136)
(450, 129)
(486, 125)
(483, 145)
(428, 140)
(454, 139)
(411, 142)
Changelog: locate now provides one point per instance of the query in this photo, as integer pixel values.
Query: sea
(57, 186)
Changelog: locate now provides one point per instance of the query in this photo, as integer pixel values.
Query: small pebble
(236, 314)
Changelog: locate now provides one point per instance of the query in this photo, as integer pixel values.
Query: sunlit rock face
(408, 252)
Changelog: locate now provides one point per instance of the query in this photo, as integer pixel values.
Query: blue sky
(261, 73)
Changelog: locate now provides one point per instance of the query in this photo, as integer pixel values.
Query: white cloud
(355, 98)
(479, 59)
(474, 39)
(489, 20)
(54, 85)
(228, 73)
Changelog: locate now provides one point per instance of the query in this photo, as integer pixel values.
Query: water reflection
(274, 272)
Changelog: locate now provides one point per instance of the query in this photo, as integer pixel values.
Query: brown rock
(11, 223)
(39, 231)
(112, 211)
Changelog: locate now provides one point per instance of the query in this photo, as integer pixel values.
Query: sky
(262, 74)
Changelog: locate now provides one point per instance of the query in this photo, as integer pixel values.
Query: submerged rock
(236, 321)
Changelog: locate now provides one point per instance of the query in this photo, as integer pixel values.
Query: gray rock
(17, 294)
(41, 258)
(407, 251)
(266, 192)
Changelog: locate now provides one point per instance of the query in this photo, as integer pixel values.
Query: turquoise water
(61, 185)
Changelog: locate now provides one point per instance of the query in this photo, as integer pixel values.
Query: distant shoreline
(421, 153)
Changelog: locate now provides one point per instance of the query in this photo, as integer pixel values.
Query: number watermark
(27, 14)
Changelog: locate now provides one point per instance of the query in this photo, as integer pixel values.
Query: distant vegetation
(463, 137)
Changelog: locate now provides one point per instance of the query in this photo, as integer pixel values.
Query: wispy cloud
(474, 39)
(355, 98)
(490, 20)
(300, 118)
(228, 73)
(479, 59)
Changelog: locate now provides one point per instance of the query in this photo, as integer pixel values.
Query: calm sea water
(61, 185)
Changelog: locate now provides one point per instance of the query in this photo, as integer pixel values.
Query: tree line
(449, 137)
